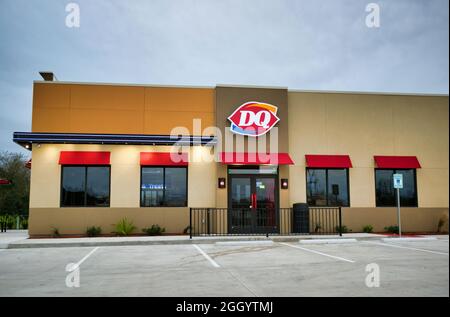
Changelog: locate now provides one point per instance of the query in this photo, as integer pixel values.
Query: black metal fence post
(208, 221)
(340, 221)
(190, 223)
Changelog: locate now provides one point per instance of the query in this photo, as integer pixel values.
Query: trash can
(300, 223)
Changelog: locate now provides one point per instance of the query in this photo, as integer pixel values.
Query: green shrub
(341, 229)
(317, 227)
(368, 229)
(154, 230)
(441, 223)
(55, 233)
(93, 231)
(24, 223)
(124, 227)
(187, 230)
(391, 229)
(8, 221)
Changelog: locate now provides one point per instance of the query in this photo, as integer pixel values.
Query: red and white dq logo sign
(253, 118)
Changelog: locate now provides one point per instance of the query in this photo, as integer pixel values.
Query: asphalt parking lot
(254, 269)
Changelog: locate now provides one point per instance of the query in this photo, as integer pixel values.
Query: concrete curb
(418, 239)
(328, 241)
(240, 243)
(236, 240)
(27, 244)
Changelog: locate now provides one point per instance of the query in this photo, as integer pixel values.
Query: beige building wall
(364, 125)
(45, 211)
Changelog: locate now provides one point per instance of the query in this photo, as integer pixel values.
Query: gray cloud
(299, 44)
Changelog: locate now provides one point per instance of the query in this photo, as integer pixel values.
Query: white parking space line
(213, 263)
(76, 265)
(407, 248)
(317, 252)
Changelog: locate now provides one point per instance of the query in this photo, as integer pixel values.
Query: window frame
(394, 170)
(141, 205)
(61, 205)
(347, 171)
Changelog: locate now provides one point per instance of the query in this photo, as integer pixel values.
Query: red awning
(164, 159)
(328, 161)
(255, 158)
(4, 181)
(397, 162)
(84, 158)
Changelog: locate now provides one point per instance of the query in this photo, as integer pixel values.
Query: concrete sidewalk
(23, 242)
(11, 236)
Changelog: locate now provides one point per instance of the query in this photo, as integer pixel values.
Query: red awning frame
(383, 161)
(164, 159)
(240, 158)
(328, 161)
(84, 158)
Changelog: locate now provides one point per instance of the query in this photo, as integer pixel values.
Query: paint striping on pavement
(213, 263)
(406, 248)
(317, 252)
(77, 265)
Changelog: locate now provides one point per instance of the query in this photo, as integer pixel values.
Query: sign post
(398, 184)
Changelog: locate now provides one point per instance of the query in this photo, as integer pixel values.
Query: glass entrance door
(265, 206)
(253, 203)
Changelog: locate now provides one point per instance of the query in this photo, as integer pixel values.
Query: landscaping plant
(341, 229)
(124, 227)
(154, 230)
(93, 231)
(392, 229)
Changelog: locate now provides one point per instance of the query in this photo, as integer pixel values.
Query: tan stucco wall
(125, 184)
(364, 125)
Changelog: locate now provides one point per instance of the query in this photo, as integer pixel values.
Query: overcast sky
(300, 44)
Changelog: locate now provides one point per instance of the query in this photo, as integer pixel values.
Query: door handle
(253, 201)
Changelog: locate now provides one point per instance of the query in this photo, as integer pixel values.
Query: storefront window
(85, 186)
(386, 195)
(327, 187)
(163, 186)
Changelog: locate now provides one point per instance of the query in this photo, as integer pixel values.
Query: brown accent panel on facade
(75, 221)
(413, 219)
(103, 108)
(229, 99)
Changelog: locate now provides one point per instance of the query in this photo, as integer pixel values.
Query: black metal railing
(268, 221)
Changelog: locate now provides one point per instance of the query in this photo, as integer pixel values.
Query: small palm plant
(124, 227)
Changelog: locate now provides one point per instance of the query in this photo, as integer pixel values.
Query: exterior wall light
(222, 183)
(284, 183)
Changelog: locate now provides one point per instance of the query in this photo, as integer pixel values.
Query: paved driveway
(230, 269)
